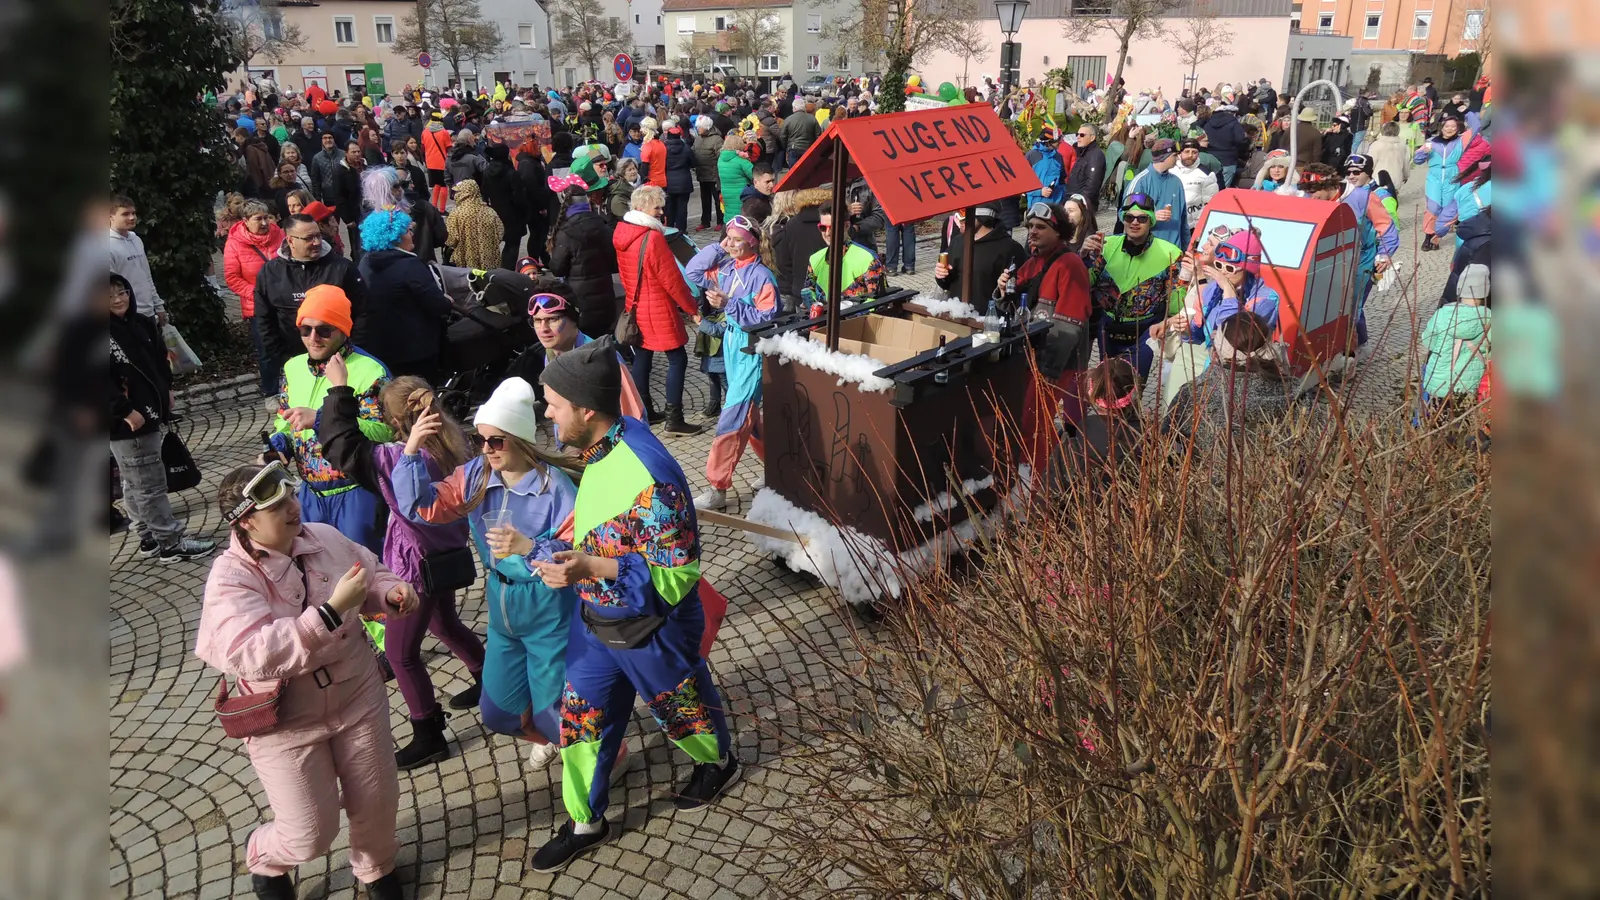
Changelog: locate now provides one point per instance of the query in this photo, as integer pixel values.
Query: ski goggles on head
(745, 228)
(1042, 210)
(547, 304)
(266, 490)
(1358, 162)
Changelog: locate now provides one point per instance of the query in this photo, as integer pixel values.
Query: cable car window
(1283, 242)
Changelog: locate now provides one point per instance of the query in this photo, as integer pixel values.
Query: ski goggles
(1228, 253)
(745, 228)
(1042, 210)
(266, 490)
(547, 304)
(1358, 162)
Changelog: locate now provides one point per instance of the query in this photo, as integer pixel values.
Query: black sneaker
(567, 846)
(188, 548)
(707, 783)
(148, 547)
(272, 887)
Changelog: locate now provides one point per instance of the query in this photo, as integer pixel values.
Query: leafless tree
(899, 32)
(1123, 20)
(1201, 37)
(585, 34)
(258, 29)
(757, 33)
(452, 29)
(973, 44)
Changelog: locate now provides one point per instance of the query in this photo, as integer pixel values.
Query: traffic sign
(623, 67)
(424, 60)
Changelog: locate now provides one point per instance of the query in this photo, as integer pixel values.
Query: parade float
(889, 424)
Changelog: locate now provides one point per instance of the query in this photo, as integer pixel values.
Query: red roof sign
(924, 162)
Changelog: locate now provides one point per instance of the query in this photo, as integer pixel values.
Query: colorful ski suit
(634, 506)
(752, 294)
(1441, 156)
(526, 655)
(1130, 294)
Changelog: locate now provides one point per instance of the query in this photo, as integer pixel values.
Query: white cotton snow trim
(858, 566)
(948, 308)
(945, 500)
(853, 367)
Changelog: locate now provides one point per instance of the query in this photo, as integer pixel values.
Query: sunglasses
(326, 332)
(546, 303)
(1228, 268)
(266, 490)
(1131, 218)
(496, 443)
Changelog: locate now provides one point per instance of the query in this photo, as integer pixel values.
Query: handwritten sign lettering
(924, 162)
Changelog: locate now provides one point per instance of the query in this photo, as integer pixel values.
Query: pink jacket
(242, 258)
(256, 624)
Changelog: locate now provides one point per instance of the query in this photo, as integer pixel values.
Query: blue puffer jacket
(680, 165)
(1048, 167)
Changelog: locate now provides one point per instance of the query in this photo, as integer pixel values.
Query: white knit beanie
(510, 409)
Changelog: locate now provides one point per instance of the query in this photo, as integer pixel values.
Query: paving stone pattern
(184, 799)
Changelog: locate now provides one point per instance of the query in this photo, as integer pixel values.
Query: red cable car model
(1311, 250)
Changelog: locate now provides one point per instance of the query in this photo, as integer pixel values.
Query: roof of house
(696, 5)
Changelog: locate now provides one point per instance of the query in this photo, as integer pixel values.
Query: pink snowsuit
(333, 719)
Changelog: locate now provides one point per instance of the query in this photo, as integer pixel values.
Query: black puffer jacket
(408, 306)
(680, 165)
(501, 189)
(793, 243)
(583, 255)
(463, 164)
(281, 285)
(140, 377)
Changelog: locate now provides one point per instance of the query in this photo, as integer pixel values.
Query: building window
(572, 76)
(272, 26)
(1324, 23)
(344, 31)
(814, 23)
(616, 23)
(813, 63)
(1373, 21)
(525, 35)
(724, 59)
(1474, 29)
(686, 24)
(722, 23)
(1419, 26)
(636, 20)
(843, 61)
(769, 64)
(384, 27)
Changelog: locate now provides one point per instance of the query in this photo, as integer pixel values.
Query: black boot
(650, 414)
(427, 746)
(274, 887)
(385, 888)
(676, 424)
(468, 699)
(1430, 243)
(713, 398)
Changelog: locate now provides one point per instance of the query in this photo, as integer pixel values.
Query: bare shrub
(1245, 668)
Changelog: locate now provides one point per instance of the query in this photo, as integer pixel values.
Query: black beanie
(589, 377)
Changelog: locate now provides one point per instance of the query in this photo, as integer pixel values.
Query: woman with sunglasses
(516, 499)
(282, 612)
(407, 548)
(1232, 282)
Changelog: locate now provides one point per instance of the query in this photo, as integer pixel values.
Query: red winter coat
(243, 257)
(654, 155)
(665, 299)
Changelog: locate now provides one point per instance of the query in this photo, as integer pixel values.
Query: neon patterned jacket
(1129, 288)
(305, 383)
(863, 279)
(634, 506)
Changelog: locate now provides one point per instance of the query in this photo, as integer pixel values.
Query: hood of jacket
(1468, 323)
(467, 192)
(1476, 230)
(434, 126)
(498, 153)
(751, 190)
(811, 199)
(266, 243)
(323, 251)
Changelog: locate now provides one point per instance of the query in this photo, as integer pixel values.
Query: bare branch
(1201, 37)
(584, 34)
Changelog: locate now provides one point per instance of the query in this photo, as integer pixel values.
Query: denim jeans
(900, 247)
(270, 370)
(1230, 176)
(710, 205)
(677, 364)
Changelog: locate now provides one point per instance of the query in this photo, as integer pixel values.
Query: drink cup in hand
(497, 519)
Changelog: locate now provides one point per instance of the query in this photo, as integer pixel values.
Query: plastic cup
(496, 519)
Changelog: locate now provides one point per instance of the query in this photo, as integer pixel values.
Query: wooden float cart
(880, 445)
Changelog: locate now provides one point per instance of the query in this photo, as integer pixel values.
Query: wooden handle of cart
(709, 517)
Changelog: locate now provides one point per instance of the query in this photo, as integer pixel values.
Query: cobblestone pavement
(183, 797)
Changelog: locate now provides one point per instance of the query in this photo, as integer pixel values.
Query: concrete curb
(213, 392)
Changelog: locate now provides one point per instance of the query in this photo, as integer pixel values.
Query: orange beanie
(326, 303)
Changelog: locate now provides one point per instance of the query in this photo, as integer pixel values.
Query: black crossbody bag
(449, 570)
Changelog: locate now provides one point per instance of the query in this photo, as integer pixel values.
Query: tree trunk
(422, 26)
(1108, 113)
(892, 92)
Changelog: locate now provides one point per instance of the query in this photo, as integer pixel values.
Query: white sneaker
(711, 499)
(540, 756)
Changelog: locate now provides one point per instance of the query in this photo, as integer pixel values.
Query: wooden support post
(969, 241)
(838, 239)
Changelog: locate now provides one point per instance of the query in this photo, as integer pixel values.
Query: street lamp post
(1011, 13)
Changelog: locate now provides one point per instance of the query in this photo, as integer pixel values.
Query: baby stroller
(488, 328)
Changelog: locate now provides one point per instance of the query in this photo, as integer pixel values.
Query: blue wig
(382, 229)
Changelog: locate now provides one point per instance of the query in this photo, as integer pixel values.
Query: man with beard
(1131, 278)
(306, 261)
